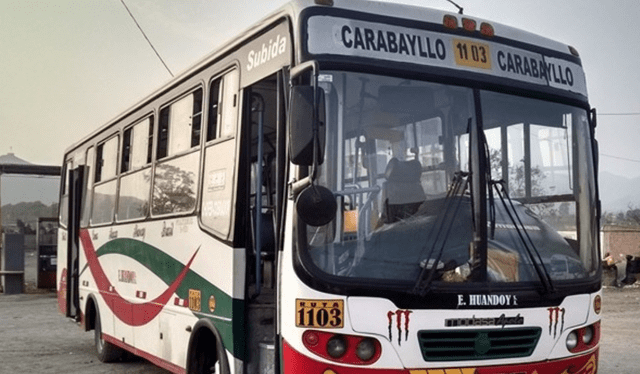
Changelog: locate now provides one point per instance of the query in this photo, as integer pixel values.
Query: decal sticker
(487, 300)
(113, 234)
(555, 315)
(320, 313)
(195, 300)
(130, 313)
(127, 276)
(503, 321)
(217, 180)
(212, 303)
(141, 295)
(180, 302)
(267, 53)
(398, 317)
(182, 224)
(445, 371)
(590, 367)
(166, 230)
(139, 233)
(472, 54)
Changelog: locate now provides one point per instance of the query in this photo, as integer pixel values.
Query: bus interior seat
(267, 232)
(402, 193)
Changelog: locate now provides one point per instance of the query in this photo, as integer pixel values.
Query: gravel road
(36, 338)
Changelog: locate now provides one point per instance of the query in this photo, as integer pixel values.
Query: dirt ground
(35, 338)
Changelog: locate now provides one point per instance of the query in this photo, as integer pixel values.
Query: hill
(618, 193)
(28, 213)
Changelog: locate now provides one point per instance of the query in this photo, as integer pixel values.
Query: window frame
(88, 183)
(162, 155)
(63, 207)
(99, 155)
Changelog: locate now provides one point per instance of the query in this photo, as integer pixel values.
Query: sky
(69, 66)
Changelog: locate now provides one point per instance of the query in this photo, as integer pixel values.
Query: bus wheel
(204, 360)
(106, 351)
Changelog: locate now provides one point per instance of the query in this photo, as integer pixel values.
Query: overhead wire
(619, 158)
(620, 114)
(145, 36)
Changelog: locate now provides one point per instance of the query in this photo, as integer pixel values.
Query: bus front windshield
(398, 160)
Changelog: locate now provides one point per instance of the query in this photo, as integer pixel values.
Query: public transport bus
(347, 187)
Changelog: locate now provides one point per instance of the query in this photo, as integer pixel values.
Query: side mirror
(303, 122)
(316, 206)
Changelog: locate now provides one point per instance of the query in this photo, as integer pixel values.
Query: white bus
(347, 187)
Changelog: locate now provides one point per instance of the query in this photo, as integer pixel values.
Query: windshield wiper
(523, 234)
(442, 228)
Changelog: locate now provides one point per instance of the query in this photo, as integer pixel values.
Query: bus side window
(88, 188)
(177, 174)
(230, 104)
(104, 198)
(135, 182)
(220, 155)
(223, 104)
(214, 110)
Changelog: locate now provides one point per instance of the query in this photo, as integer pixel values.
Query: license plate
(472, 54)
(320, 313)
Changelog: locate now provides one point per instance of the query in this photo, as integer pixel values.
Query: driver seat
(402, 193)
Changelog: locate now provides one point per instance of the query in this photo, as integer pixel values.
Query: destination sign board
(358, 38)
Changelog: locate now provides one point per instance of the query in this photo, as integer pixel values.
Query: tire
(106, 352)
(204, 360)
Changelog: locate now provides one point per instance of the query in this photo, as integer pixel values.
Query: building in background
(27, 192)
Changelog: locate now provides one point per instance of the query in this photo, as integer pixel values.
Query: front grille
(448, 345)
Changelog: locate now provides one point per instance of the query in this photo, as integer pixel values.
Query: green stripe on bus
(167, 268)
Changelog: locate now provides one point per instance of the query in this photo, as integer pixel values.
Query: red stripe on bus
(147, 356)
(129, 313)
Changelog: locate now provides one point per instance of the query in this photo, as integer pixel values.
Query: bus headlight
(366, 349)
(587, 336)
(572, 340)
(336, 346)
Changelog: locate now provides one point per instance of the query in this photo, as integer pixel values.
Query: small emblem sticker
(212, 303)
(195, 298)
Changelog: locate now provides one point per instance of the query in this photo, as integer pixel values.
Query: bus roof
(296, 8)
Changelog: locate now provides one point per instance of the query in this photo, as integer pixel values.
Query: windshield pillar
(478, 164)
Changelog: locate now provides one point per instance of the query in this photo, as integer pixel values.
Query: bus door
(263, 124)
(76, 177)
